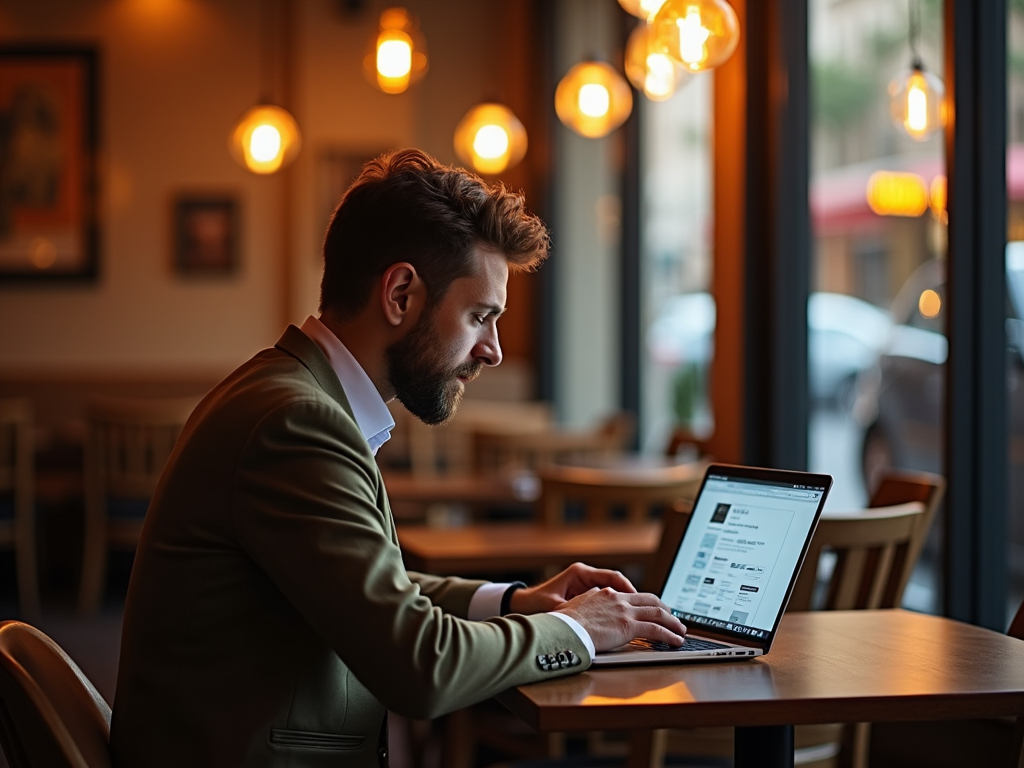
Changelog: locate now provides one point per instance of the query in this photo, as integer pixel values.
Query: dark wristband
(506, 599)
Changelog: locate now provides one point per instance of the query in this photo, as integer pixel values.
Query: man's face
(451, 342)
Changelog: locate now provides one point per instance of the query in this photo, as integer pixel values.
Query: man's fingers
(602, 577)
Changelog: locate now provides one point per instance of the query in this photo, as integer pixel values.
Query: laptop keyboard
(690, 644)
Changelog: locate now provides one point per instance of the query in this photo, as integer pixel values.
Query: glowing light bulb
(917, 109)
(397, 54)
(265, 143)
(594, 100)
(491, 141)
(266, 139)
(692, 37)
(660, 81)
(644, 9)
(394, 58)
(650, 70)
(916, 102)
(699, 34)
(929, 304)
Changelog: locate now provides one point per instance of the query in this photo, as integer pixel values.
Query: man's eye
(480, 319)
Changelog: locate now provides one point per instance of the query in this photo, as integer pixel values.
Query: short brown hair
(406, 206)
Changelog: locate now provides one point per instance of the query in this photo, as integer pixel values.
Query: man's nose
(488, 349)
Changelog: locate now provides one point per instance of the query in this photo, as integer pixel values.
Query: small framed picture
(206, 235)
(49, 226)
(337, 168)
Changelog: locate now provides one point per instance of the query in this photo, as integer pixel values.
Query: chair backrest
(901, 486)
(601, 491)
(1017, 625)
(51, 716)
(447, 449)
(674, 521)
(16, 458)
(128, 443)
(871, 549)
(504, 450)
(682, 439)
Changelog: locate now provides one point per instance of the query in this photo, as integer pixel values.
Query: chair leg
(25, 561)
(1018, 741)
(94, 567)
(646, 749)
(856, 745)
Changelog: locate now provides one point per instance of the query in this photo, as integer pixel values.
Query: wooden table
(825, 667)
(493, 547)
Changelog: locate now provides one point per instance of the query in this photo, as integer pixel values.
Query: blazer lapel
(299, 345)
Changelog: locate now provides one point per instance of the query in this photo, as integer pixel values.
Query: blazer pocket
(283, 737)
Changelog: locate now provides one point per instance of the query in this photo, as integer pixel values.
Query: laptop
(736, 565)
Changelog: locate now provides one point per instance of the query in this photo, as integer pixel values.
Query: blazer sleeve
(308, 509)
(452, 595)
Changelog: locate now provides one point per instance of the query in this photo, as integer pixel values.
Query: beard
(423, 379)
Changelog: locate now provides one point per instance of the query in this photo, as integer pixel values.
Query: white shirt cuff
(576, 627)
(486, 601)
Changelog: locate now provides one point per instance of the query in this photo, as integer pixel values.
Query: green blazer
(270, 620)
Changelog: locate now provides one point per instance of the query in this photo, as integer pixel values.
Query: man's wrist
(506, 599)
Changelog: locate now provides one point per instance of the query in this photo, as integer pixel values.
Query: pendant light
(699, 34)
(266, 138)
(398, 53)
(593, 99)
(490, 138)
(649, 70)
(642, 9)
(916, 96)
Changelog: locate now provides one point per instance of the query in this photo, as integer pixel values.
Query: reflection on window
(879, 222)
(677, 310)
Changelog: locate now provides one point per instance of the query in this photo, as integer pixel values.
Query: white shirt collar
(370, 411)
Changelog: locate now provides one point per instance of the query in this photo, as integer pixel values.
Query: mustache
(469, 371)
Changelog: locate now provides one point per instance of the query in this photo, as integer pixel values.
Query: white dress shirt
(375, 422)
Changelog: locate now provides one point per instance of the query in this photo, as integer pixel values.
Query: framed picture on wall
(205, 235)
(48, 148)
(337, 168)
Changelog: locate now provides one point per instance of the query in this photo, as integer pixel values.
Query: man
(270, 620)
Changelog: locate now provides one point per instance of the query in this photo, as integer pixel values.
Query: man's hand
(574, 580)
(614, 618)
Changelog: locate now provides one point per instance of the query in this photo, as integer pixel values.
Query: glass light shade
(642, 9)
(699, 34)
(398, 53)
(650, 70)
(266, 139)
(917, 103)
(490, 138)
(593, 99)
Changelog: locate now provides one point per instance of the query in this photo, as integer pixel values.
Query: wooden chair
(127, 444)
(603, 491)
(504, 450)
(51, 716)
(17, 491)
(873, 553)
(430, 451)
(683, 441)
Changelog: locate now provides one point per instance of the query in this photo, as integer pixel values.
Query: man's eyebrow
(492, 309)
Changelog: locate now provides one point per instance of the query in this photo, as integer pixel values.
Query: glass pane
(875, 321)
(678, 311)
(1015, 298)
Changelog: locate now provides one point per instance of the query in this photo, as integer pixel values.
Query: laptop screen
(738, 560)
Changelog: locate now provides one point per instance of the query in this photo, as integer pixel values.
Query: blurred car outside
(845, 337)
(899, 401)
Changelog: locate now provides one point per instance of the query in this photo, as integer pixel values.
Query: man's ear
(402, 293)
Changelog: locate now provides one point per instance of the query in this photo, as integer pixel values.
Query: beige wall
(175, 75)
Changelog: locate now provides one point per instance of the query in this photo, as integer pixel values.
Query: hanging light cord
(268, 53)
(914, 9)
